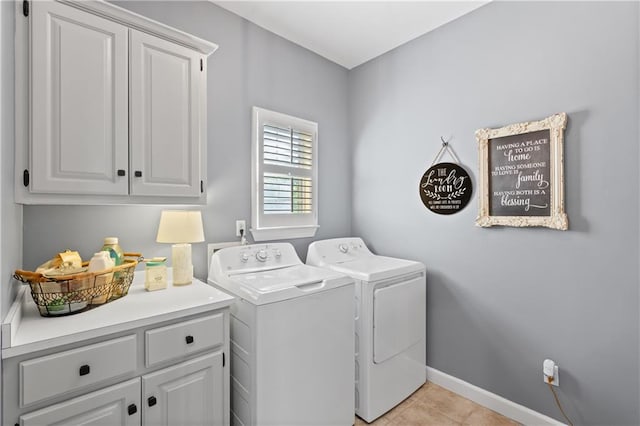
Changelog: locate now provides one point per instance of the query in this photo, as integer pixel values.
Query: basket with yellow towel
(63, 286)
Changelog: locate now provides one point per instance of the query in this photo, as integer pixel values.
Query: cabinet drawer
(115, 405)
(177, 340)
(62, 372)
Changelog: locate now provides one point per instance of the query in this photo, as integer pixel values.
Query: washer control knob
(244, 257)
(343, 247)
(261, 255)
(277, 253)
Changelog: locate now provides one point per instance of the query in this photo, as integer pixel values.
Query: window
(284, 176)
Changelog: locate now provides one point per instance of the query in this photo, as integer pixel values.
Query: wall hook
(445, 148)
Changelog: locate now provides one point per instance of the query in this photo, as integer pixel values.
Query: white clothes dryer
(291, 337)
(390, 355)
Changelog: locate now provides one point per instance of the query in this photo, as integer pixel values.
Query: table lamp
(180, 227)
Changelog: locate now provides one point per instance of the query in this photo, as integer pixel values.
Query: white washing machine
(390, 293)
(291, 337)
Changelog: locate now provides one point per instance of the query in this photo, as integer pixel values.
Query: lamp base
(181, 264)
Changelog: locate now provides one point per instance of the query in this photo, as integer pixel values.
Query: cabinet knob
(121, 172)
(84, 370)
(138, 173)
(152, 401)
(132, 409)
(189, 340)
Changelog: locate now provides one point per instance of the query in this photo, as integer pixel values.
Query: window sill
(283, 232)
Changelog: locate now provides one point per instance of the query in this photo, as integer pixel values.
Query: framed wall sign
(521, 174)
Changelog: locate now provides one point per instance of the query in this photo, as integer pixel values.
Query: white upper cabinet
(110, 107)
(79, 102)
(165, 123)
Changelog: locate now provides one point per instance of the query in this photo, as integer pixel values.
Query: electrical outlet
(550, 372)
(241, 225)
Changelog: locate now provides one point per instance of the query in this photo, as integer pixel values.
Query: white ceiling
(350, 32)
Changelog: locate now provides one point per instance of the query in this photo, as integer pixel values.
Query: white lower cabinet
(190, 393)
(115, 405)
(110, 382)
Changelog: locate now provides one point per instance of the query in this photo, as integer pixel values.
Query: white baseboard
(517, 412)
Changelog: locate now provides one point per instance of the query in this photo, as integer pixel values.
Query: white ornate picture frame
(522, 174)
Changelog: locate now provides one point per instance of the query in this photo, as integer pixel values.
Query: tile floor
(435, 405)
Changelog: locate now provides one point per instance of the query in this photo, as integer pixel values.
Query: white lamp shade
(180, 226)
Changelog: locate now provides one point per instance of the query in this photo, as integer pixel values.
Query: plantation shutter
(285, 175)
(292, 150)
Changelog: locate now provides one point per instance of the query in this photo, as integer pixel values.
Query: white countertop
(24, 330)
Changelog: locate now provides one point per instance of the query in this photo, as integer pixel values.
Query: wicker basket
(71, 294)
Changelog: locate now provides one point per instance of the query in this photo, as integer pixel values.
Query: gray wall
(251, 67)
(501, 300)
(10, 213)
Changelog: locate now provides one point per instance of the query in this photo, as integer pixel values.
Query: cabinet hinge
(25, 177)
(25, 8)
(223, 359)
(201, 64)
(201, 186)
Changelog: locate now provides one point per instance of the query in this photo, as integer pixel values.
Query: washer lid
(376, 268)
(280, 284)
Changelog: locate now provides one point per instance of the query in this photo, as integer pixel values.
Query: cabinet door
(79, 120)
(112, 406)
(166, 81)
(190, 393)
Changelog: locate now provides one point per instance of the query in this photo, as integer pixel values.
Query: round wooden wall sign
(445, 188)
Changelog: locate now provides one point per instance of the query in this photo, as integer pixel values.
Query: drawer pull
(189, 340)
(138, 173)
(121, 172)
(152, 401)
(84, 370)
(132, 409)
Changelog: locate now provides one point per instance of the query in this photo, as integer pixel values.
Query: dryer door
(399, 315)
